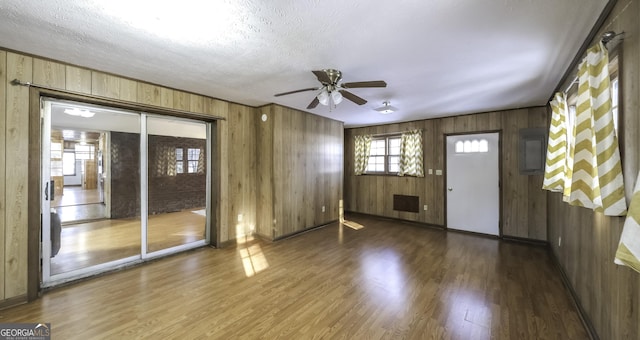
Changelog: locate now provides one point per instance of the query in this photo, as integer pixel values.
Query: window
(192, 160)
(615, 95)
(193, 155)
(179, 161)
(384, 157)
(69, 163)
(614, 102)
(472, 146)
(56, 150)
(85, 151)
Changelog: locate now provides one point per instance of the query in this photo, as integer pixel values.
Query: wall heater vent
(406, 203)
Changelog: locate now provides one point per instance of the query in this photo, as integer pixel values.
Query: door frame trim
(444, 187)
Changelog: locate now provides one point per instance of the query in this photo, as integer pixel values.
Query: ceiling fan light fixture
(323, 97)
(386, 108)
(336, 97)
(79, 113)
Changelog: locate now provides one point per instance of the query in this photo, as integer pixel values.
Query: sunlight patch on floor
(353, 225)
(253, 260)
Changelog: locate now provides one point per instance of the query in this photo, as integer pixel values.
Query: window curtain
(201, 161)
(628, 253)
(596, 182)
(411, 160)
(555, 170)
(362, 150)
(165, 161)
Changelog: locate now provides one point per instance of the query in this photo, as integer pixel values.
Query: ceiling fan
(334, 91)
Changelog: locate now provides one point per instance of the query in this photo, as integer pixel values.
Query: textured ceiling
(438, 57)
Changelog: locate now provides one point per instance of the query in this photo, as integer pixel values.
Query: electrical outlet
(430, 171)
(323, 210)
(239, 217)
(559, 241)
(425, 207)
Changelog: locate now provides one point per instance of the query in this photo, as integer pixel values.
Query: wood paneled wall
(609, 294)
(242, 179)
(16, 135)
(3, 192)
(300, 164)
(523, 202)
(299, 154)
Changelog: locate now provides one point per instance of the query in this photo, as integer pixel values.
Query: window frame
(386, 156)
(179, 161)
(191, 161)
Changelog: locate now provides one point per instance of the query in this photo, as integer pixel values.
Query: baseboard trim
(225, 244)
(584, 317)
(12, 302)
(530, 241)
(296, 233)
(414, 223)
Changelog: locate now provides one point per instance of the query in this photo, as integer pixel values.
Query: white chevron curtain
(411, 155)
(628, 252)
(556, 166)
(583, 158)
(596, 182)
(362, 149)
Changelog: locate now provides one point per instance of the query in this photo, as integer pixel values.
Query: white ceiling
(438, 57)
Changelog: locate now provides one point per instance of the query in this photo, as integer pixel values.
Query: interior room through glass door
(91, 170)
(176, 182)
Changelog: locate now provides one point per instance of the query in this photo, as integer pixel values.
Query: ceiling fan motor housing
(334, 76)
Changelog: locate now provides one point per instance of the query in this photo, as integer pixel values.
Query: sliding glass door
(119, 187)
(176, 183)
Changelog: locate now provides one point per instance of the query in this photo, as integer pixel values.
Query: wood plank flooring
(386, 281)
(76, 203)
(90, 243)
(76, 195)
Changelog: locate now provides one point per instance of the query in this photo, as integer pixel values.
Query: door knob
(450, 189)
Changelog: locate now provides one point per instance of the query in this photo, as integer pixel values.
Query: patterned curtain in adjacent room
(201, 161)
(597, 181)
(165, 161)
(411, 159)
(556, 166)
(362, 149)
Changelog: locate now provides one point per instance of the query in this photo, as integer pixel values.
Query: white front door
(473, 189)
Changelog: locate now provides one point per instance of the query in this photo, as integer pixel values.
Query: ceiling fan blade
(313, 103)
(373, 83)
(352, 97)
(296, 91)
(322, 76)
